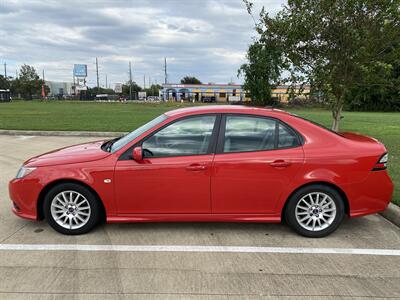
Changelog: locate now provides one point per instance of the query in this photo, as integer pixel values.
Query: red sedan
(212, 163)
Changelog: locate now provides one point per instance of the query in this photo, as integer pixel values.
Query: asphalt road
(110, 274)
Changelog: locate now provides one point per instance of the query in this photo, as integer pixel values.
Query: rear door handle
(280, 164)
(196, 167)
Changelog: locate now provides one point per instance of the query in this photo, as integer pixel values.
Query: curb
(60, 133)
(392, 213)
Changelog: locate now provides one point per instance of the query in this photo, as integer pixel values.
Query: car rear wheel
(71, 209)
(315, 211)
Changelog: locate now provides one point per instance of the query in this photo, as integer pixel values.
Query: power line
(165, 71)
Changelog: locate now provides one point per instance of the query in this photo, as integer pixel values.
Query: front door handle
(196, 167)
(280, 163)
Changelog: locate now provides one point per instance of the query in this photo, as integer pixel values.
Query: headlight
(24, 171)
(384, 159)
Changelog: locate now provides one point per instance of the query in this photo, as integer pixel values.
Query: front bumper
(24, 194)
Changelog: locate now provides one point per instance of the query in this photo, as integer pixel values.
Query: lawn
(89, 116)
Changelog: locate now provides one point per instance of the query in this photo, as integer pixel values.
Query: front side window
(245, 133)
(189, 136)
(118, 144)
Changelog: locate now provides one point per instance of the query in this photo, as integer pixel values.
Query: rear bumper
(24, 194)
(370, 196)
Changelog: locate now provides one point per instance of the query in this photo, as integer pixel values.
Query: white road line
(181, 248)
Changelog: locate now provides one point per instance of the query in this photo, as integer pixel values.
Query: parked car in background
(208, 99)
(210, 163)
(153, 98)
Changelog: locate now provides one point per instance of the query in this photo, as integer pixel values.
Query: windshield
(134, 134)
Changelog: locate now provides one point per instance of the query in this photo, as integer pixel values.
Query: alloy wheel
(70, 209)
(315, 211)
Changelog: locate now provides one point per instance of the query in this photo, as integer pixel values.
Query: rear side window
(245, 133)
(287, 138)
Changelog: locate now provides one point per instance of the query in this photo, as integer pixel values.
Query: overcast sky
(203, 38)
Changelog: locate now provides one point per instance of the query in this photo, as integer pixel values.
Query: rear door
(257, 157)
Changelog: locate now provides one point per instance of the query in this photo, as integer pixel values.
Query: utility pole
(43, 85)
(144, 82)
(97, 74)
(73, 79)
(165, 71)
(5, 70)
(130, 81)
(106, 82)
(150, 87)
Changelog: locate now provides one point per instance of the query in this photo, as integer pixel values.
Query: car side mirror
(137, 154)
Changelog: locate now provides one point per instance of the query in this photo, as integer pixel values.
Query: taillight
(382, 163)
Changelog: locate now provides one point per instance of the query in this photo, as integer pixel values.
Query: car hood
(70, 155)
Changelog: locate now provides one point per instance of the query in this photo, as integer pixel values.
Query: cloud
(204, 38)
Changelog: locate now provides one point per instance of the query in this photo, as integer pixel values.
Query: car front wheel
(315, 211)
(71, 209)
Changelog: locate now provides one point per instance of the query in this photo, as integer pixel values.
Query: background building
(203, 92)
(221, 92)
(282, 92)
(58, 88)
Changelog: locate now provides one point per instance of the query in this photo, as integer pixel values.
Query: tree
(4, 82)
(332, 43)
(126, 89)
(190, 80)
(153, 90)
(262, 71)
(28, 82)
(378, 88)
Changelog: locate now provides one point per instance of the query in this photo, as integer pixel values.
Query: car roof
(224, 109)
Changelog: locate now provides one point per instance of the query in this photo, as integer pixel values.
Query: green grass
(79, 116)
(89, 116)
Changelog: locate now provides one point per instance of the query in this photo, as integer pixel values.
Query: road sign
(142, 95)
(80, 70)
(118, 88)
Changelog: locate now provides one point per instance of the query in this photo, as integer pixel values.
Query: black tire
(290, 212)
(92, 200)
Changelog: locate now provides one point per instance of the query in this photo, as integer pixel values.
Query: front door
(174, 176)
(257, 158)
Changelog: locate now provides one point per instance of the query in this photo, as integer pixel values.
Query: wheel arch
(49, 186)
(329, 184)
